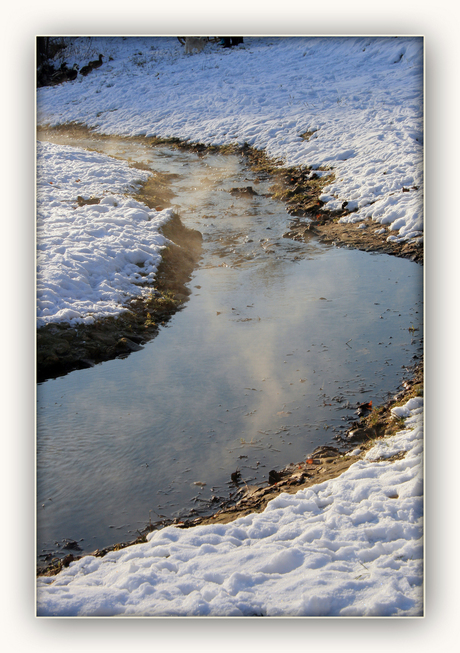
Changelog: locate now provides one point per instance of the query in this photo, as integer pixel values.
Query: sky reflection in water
(256, 356)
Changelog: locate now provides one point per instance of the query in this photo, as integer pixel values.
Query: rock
(360, 434)
(326, 451)
(243, 191)
(236, 476)
(72, 545)
(62, 347)
(274, 477)
(125, 345)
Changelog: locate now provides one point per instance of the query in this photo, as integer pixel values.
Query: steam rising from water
(277, 337)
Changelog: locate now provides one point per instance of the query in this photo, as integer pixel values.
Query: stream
(278, 343)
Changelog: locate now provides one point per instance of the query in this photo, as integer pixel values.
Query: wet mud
(329, 230)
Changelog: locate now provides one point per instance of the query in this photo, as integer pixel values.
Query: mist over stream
(267, 360)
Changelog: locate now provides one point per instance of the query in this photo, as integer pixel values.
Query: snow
(350, 546)
(91, 258)
(361, 97)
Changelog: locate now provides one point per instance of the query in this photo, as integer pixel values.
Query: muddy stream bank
(258, 342)
(61, 349)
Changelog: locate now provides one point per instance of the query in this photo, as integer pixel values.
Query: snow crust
(362, 99)
(351, 546)
(91, 258)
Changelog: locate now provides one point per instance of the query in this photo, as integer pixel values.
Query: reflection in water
(277, 344)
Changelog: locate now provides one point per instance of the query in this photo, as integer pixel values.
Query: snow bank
(91, 258)
(361, 97)
(351, 546)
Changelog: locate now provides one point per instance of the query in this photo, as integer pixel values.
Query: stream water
(268, 359)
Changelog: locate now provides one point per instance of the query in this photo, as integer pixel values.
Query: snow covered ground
(92, 257)
(350, 546)
(345, 547)
(361, 97)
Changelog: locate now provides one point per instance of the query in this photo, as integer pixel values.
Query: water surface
(267, 360)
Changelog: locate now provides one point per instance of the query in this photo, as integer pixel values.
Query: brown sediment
(298, 187)
(329, 230)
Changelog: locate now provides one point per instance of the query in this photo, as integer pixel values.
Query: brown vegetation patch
(307, 135)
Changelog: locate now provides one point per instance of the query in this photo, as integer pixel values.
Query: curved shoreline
(298, 187)
(62, 348)
(300, 191)
(327, 462)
